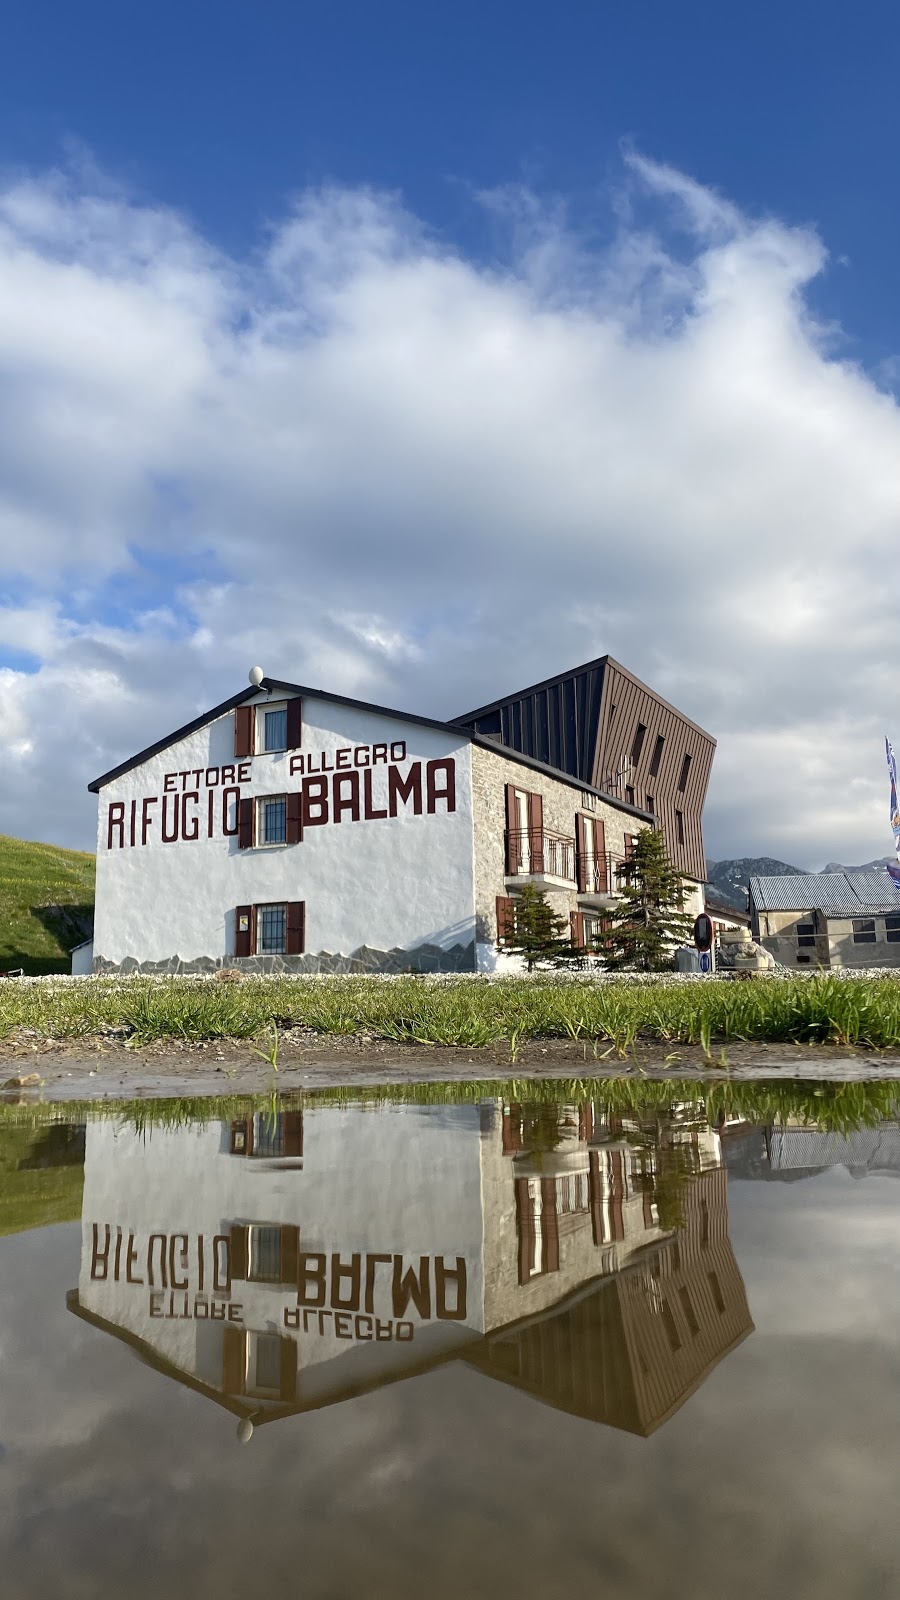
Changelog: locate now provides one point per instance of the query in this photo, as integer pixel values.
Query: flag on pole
(895, 809)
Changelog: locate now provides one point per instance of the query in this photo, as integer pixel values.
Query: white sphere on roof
(256, 676)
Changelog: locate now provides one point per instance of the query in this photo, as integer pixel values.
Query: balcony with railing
(550, 860)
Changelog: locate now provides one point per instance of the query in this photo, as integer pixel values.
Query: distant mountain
(729, 880)
(867, 866)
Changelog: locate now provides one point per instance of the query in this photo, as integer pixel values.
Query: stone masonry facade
(562, 800)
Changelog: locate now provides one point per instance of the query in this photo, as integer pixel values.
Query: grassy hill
(41, 1175)
(46, 904)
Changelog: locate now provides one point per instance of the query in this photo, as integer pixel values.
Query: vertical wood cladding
(588, 722)
(627, 705)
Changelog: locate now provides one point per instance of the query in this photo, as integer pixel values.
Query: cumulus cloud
(379, 466)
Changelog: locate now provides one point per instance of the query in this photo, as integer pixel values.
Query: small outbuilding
(828, 919)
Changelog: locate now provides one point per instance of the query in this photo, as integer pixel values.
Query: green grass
(46, 904)
(466, 1013)
(829, 1106)
(41, 1172)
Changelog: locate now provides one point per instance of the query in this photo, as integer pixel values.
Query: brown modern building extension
(606, 729)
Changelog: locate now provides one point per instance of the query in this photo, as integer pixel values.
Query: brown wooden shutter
(536, 831)
(294, 723)
(234, 1361)
(243, 936)
(629, 846)
(506, 919)
(549, 1225)
(293, 1133)
(294, 818)
(580, 852)
(295, 941)
(244, 725)
(290, 1253)
(239, 1251)
(287, 1389)
(245, 824)
(602, 876)
(577, 920)
(525, 1229)
(513, 844)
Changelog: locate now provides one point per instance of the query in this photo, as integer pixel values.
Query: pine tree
(647, 921)
(539, 934)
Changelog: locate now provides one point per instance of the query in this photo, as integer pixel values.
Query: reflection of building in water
(792, 1151)
(279, 1266)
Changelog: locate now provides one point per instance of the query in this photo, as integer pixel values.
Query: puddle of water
(488, 1348)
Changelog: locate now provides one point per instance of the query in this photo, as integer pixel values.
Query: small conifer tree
(647, 921)
(539, 934)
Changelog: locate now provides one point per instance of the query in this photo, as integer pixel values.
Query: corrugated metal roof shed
(838, 894)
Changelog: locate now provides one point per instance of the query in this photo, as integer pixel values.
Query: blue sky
(223, 109)
(340, 337)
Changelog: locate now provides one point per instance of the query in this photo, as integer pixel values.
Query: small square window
(271, 819)
(271, 930)
(892, 927)
(863, 930)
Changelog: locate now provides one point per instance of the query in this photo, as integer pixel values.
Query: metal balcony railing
(532, 853)
(541, 853)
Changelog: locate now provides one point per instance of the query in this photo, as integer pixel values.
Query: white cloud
(380, 467)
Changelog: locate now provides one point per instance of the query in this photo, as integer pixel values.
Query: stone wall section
(562, 800)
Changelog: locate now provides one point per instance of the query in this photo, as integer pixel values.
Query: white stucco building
(292, 829)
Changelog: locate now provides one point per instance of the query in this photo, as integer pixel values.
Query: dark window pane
(685, 769)
(656, 758)
(864, 930)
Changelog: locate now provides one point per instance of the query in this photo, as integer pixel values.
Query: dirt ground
(101, 1069)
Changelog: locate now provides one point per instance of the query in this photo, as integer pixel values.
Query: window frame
(264, 709)
(864, 930)
(271, 905)
(259, 840)
(892, 927)
(806, 934)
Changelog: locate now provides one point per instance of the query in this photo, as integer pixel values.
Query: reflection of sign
(703, 932)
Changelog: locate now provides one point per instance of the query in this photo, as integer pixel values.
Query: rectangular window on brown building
(684, 775)
(637, 743)
(656, 757)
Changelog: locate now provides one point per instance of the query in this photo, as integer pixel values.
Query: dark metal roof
(278, 685)
(565, 677)
(837, 894)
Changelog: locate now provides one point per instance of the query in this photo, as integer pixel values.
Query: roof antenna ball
(256, 676)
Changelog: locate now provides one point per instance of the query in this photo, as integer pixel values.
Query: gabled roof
(278, 686)
(837, 894)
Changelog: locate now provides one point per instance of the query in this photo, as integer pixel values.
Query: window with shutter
(578, 935)
(513, 838)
